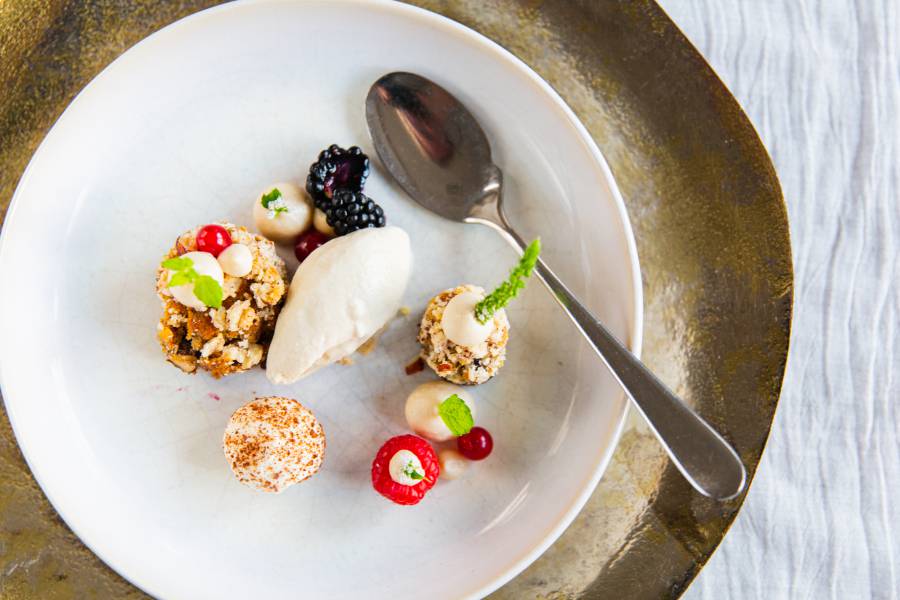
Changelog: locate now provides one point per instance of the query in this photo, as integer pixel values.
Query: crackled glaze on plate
(185, 128)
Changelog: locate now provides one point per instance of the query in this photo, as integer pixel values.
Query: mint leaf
(274, 203)
(178, 264)
(455, 414)
(272, 196)
(509, 289)
(182, 271)
(208, 291)
(182, 278)
(411, 472)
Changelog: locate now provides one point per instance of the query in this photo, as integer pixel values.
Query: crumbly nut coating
(460, 364)
(232, 338)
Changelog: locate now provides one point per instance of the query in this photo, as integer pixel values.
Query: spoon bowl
(431, 144)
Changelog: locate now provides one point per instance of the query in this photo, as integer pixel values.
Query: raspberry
(398, 492)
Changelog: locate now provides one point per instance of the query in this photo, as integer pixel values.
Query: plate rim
(448, 25)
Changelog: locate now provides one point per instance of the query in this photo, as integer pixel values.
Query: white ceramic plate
(186, 128)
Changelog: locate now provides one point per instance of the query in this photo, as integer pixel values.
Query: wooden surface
(820, 79)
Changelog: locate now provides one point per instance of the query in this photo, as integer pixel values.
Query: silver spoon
(438, 153)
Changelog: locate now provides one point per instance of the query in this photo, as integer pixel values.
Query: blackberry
(336, 169)
(349, 211)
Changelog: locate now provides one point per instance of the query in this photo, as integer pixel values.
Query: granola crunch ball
(233, 337)
(465, 365)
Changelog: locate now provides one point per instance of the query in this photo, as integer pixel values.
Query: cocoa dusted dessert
(273, 443)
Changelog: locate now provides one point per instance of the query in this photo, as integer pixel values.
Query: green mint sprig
(274, 203)
(410, 471)
(455, 414)
(509, 289)
(207, 289)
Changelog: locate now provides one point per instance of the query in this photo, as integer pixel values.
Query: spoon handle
(700, 453)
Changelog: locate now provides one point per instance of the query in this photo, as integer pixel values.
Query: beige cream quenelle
(340, 296)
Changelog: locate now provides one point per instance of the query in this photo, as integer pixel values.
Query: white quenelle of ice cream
(286, 216)
(459, 322)
(205, 264)
(421, 410)
(341, 295)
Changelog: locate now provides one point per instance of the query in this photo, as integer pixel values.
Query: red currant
(213, 239)
(307, 242)
(475, 445)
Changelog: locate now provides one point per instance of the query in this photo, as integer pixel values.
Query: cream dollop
(453, 464)
(283, 226)
(236, 260)
(403, 466)
(459, 322)
(421, 410)
(204, 264)
(341, 295)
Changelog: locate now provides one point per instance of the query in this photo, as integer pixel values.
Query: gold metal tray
(711, 230)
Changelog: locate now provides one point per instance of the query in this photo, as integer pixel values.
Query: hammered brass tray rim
(784, 217)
